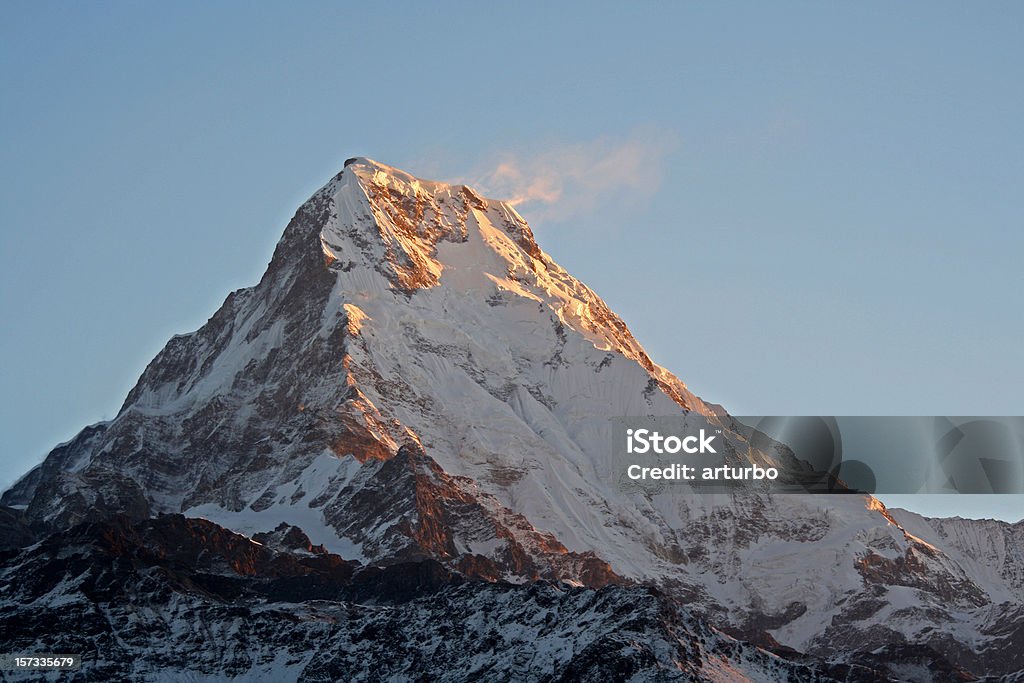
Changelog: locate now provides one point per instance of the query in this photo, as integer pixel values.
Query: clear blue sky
(806, 208)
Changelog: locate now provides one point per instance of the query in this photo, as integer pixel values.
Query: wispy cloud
(566, 181)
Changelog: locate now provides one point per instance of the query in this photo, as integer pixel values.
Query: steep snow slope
(992, 550)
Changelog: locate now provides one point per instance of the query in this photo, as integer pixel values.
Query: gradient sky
(805, 208)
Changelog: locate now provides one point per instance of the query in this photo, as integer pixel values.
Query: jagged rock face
(14, 531)
(413, 377)
(183, 599)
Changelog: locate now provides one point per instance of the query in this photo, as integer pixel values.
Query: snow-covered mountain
(414, 378)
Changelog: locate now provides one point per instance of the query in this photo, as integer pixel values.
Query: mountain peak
(367, 169)
(373, 172)
(414, 378)
(420, 234)
(395, 310)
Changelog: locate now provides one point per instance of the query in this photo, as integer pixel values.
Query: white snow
(325, 468)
